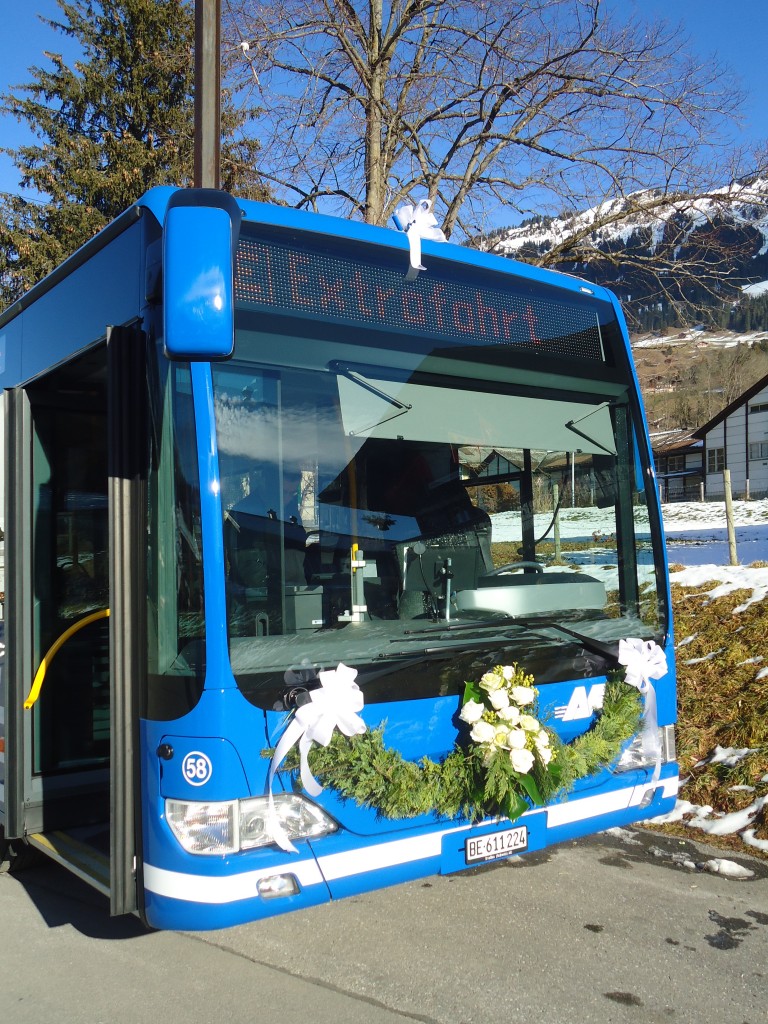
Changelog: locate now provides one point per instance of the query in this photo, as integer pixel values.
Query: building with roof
(678, 457)
(737, 439)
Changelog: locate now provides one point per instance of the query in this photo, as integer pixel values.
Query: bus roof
(156, 200)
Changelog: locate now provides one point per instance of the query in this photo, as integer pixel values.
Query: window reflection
(358, 507)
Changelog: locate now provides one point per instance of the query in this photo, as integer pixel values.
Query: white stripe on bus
(227, 889)
(604, 803)
(384, 855)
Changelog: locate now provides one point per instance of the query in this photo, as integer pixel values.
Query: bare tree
(517, 105)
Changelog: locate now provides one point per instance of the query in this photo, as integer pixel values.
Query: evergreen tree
(110, 127)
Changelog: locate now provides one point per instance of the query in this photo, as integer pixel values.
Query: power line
(26, 198)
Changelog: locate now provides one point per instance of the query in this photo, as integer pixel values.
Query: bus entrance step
(74, 852)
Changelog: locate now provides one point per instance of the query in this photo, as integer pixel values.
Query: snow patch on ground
(701, 816)
(729, 756)
(729, 868)
(748, 835)
(727, 579)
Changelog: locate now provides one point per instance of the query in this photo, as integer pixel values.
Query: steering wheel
(516, 565)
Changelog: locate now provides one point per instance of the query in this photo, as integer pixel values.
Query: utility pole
(207, 93)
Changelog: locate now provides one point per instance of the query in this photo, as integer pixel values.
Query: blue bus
(271, 493)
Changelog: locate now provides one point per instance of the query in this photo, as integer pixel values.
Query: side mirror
(200, 234)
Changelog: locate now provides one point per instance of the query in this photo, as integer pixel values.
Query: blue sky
(737, 31)
(24, 40)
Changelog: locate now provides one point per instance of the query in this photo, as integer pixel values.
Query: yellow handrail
(37, 683)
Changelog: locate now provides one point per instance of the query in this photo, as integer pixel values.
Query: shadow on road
(62, 899)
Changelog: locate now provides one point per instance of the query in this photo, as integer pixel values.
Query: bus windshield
(392, 507)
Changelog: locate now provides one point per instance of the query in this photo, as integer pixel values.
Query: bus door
(71, 534)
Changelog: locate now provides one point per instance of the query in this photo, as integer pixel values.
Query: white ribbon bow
(333, 705)
(644, 660)
(418, 222)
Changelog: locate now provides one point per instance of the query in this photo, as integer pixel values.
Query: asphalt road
(610, 929)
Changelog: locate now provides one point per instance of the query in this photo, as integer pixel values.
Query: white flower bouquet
(515, 749)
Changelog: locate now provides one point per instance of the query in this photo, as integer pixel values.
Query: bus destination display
(275, 277)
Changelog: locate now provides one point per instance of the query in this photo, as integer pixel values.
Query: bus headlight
(204, 827)
(635, 757)
(225, 827)
(299, 817)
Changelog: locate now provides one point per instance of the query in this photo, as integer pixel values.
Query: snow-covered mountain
(672, 260)
(646, 217)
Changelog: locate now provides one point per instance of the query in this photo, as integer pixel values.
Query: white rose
(516, 739)
(483, 732)
(499, 699)
(510, 714)
(490, 682)
(545, 754)
(529, 723)
(472, 712)
(522, 760)
(523, 695)
(542, 739)
(508, 671)
(502, 736)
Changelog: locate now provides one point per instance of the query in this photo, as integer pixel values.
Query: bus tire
(17, 855)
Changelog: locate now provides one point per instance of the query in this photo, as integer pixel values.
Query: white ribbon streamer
(418, 222)
(643, 661)
(333, 705)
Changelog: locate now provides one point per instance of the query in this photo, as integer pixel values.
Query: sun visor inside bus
(200, 235)
(392, 409)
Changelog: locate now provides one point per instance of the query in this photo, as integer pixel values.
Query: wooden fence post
(732, 557)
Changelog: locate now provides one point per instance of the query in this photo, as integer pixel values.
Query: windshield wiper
(608, 651)
(463, 627)
(451, 646)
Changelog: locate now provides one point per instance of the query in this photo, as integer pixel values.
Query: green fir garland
(469, 781)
